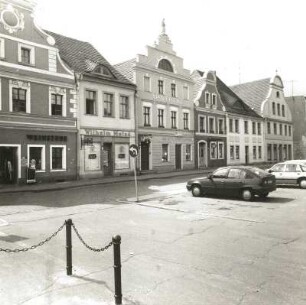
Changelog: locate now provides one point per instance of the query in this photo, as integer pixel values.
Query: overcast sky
(243, 40)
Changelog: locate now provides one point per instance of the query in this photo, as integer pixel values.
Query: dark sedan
(243, 181)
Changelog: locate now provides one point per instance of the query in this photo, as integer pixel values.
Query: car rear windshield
(258, 171)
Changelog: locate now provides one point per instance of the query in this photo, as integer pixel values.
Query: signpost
(133, 150)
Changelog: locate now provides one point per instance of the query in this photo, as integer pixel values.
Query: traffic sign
(133, 150)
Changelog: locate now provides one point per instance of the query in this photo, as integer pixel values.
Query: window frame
(215, 150)
(127, 107)
(31, 53)
(223, 126)
(167, 153)
(53, 105)
(108, 103)
(161, 87)
(186, 92)
(204, 123)
(220, 145)
(43, 156)
(173, 119)
(64, 158)
(94, 102)
(186, 120)
(188, 154)
(173, 90)
(147, 117)
(246, 127)
(214, 124)
(161, 118)
(237, 126)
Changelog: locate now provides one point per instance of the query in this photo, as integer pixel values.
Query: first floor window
(124, 107)
(173, 90)
(25, 55)
(237, 152)
(269, 152)
(165, 157)
(232, 156)
(161, 118)
(202, 124)
(186, 120)
(221, 126)
(246, 127)
(254, 153)
(19, 99)
(160, 86)
(237, 126)
(259, 128)
(36, 153)
(211, 125)
(286, 130)
(220, 150)
(281, 129)
(188, 152)
(56, 104)
(90, 102)
(58, 157)
(213, 150)
(108, 104)
(146, 116)
(268, 127)
(289, 131)
(173, 119)
(275, 128)
(253, 127)
(230, 125)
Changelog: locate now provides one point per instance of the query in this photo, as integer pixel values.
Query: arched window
(103, 70)
(165, 64)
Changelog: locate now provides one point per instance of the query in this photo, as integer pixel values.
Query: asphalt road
(176, 249)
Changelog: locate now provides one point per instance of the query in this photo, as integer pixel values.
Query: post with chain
(69, 246)
(117, 269)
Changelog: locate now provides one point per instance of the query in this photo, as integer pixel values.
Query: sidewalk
(43, 187)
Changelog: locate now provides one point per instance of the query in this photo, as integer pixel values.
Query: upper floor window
(19, 99)
(160, 117)
(188, 152)
(230, 125)
(147, 116)
(237, 126)
(173, 119)
(277, 94)
(283, 110)
(2, 48)
(253, 127)
(90, 103)
(124, 107)
(173, 90)
(56, 104)
(207, 97)
(108, 104)
(211, 125)
(160, 86)
(26, 54)
(185, 92)
(221, 126)
(286, 130)
(281, 129)
(100, 69)
(165, 64)
(289, 131)
(268, 127)
(259, 128)
(147, 83)
(273, 108)
(213, 100)
(275, 128)
(278, 109)
(202, 124)
(254, 152)
(186, 120)
(246, 127)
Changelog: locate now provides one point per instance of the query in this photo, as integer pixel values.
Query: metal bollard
(117, 269)
(69, 246)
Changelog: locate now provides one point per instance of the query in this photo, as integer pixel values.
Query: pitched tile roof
(126, 68)
(253, 93)
(232, 102)
(82, 57)
(199, 81)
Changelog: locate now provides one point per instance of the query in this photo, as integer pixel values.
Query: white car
(291, 172)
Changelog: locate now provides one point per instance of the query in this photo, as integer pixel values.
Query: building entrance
(8, 165)
(145, 149)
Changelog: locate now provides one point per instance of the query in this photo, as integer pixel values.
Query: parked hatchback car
(244, 181)
(289, 173)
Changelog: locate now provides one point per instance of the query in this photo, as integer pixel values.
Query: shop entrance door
(107, 159)
(8, 165)
(178, 156)
(145, 149)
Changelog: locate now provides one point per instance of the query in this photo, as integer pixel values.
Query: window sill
(89, 114)
(58, 170)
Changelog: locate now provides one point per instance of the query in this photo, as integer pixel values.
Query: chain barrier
(86, 245)
(34, 246)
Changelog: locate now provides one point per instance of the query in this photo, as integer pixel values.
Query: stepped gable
(253, 93)
(83, 58)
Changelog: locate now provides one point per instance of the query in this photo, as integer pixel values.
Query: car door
(218, 179)
(277, 170)
(234, 181)
(292, 173)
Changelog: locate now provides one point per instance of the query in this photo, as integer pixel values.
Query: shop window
(188, 152)
(58, 157)
(37, 153)
(232, 156)
(237, 152)
(91, 101)
(92, 153)
(220, 150)
(124, 107)
(122, 160)
(213, 150)
(165, 152)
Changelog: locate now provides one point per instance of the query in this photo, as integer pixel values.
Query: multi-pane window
(254, 153)
(173, 90)
(231, 125)
(211, 125)
(275, 128)
(278, 109)
(161, 118)
(124, 107)
(185, 92)
(146, 116)
(147, 86)
(25, 55)
(188, 152)
(165, 153)
(160, 86)
(246, 127)
(202, 124)
(36, 153)
(207, 97)
(259, 128)
(19, 99)
(213, 100)
(283, 110)
(237, 152)
(57, 158)
(173, 119)
(186, 120)
(281, 129)
(213, 150)
(232, 156)
(221, 126)
(268, 127)
(220, 150)
(253, 127)
(237, 126)
(90, 102)
(56, 104)
(273, 108)
(108, 104)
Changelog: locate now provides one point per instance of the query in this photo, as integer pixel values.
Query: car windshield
(258, 171)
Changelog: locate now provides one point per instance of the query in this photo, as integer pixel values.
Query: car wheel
(264, 195)
(247, 194)
(302, 183)
(196, 191)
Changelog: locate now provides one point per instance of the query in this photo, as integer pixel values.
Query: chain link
(34, 246)
(86, 245)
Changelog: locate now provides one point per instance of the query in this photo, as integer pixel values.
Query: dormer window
(165, 64)
(103, 71)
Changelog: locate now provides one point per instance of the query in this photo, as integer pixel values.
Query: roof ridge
(251, 82)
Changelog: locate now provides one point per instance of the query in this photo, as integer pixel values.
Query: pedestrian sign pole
(134, 153)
